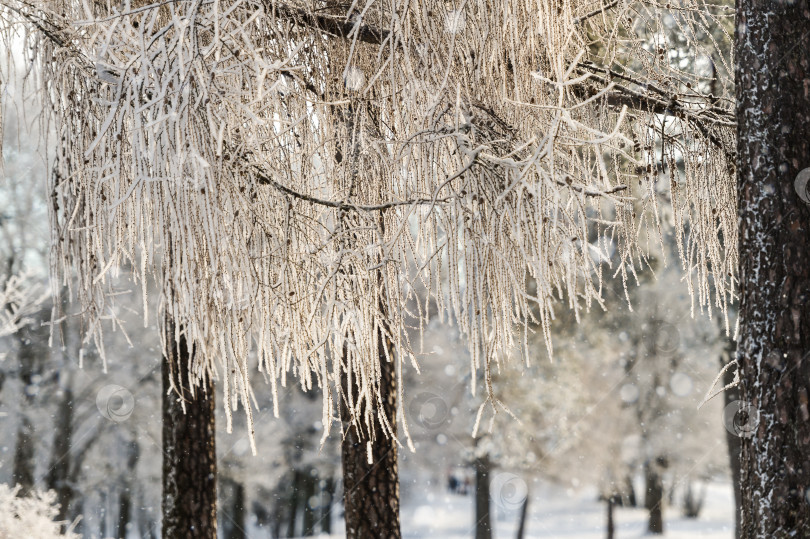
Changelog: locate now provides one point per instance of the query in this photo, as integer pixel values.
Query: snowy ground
(555, 512)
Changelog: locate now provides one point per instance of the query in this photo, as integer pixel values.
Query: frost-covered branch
(31, 516)
(595, 12)
(20, 296)
(296, 180)
(337, 26)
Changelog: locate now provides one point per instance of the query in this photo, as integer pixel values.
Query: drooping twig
(595, 12)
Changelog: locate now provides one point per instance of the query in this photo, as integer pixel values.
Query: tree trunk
(370, 458)
(327, 498)
(292, 505)
(310, 489)
(629, 499)
(23, 469)
(236, 521)
(125, 497)
(693, 502)
(610, 526)
(124, 511)
(23, 472)
(483, 523)
(104, 510)
(240, 511)
(654, 497)
(733, 440)
(279, 514)
(371, 491)
(64, 468)
(524, 511)
(189, 449)
(58, 476)
(773, 141)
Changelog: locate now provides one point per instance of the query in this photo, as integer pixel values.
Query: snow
(555, 511)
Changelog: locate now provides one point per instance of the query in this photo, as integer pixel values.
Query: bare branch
(336, 26)
(580, 20)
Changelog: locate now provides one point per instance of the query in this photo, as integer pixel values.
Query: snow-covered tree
(19, 300)
(31, 516)
(23, 267)
(291, 174)
(23, 218)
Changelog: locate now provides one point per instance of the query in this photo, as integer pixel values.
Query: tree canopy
(305, 179)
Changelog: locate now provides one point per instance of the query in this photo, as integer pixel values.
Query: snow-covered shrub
(31, 517)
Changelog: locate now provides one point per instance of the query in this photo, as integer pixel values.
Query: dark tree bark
(483, 522)
(733, 440)
(189, 461)
(773, 141)
(371, 491)
(124, 512)
(309, 492)
(279, 515)
(370, 456)
(524, 512)
(32, 351)
(58, 476)
(102, 521)
(327, 499)
(67, 459)
(693, 502)
(239, 512)
(293, 503)
(628, 498)
(654, 496)
(610, 527)
(125, 497)
(64, 465)
(235, 518)
(263, 510)
(23, 471)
